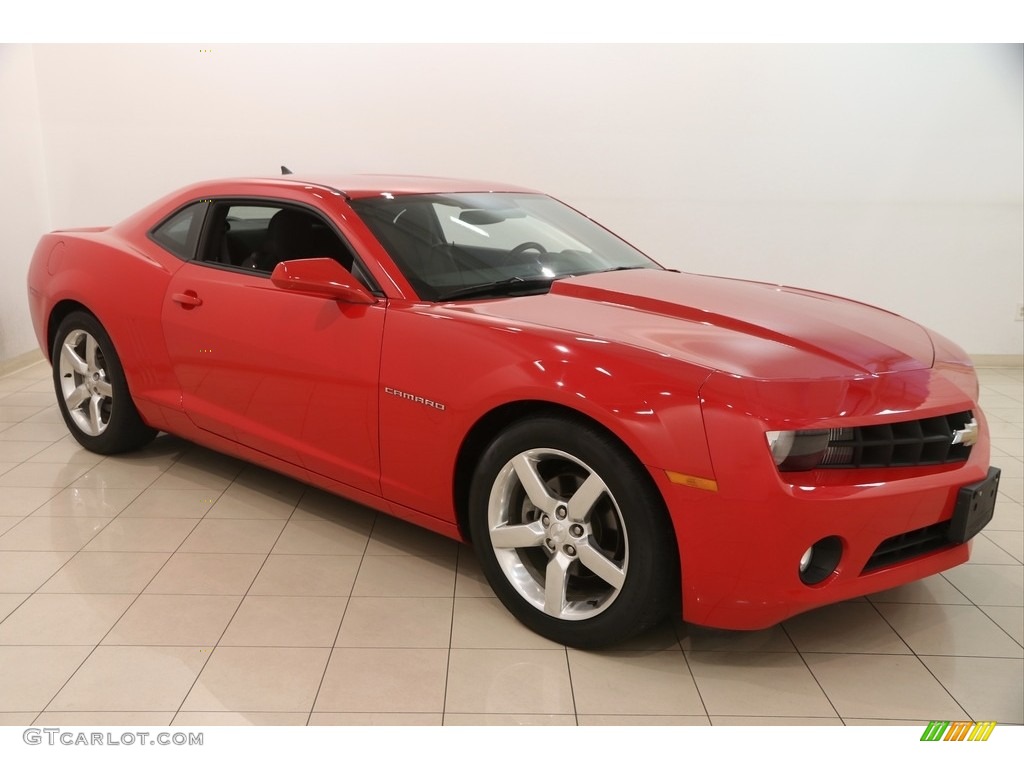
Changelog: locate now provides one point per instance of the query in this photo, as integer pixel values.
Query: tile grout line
(129, 606)
(241, 600)
(344, 613)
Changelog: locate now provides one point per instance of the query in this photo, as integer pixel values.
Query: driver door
(288, 374)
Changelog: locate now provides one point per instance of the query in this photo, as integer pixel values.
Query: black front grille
(900, 444)
(974, 506)
(907, 545)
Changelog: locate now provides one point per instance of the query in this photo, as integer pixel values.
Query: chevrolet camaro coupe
(617, 440)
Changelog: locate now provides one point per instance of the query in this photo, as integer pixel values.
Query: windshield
(491, 244)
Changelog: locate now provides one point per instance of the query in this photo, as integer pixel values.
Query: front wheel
(92, 392)
(571, 532)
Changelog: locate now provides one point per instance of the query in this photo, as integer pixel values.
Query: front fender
(441, 375)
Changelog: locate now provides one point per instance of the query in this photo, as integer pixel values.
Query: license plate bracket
(975, 505)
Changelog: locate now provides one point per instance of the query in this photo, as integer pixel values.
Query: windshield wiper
(619, 269)
(508, 287)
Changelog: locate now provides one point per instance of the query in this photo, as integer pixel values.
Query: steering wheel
(528, 246)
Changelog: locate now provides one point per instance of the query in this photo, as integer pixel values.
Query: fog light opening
(820, 560)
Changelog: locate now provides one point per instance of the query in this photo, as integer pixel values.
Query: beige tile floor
(178, 586)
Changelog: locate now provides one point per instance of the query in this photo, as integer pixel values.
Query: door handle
(188, 299)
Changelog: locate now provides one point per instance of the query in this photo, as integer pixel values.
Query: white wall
(892, 174)
(24, 209)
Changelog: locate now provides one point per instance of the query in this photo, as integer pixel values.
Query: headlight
(799, 450)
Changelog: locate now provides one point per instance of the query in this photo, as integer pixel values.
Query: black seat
(218, 249)
(289, 236)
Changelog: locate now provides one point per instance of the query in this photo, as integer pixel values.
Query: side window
(257, 235)
(237, 233)
(180, 233)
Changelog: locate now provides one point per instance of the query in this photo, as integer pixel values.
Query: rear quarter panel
(123, 286)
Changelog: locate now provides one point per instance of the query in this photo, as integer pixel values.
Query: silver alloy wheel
(558, 534)
(87, 391)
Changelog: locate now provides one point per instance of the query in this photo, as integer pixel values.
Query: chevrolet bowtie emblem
(968, 435)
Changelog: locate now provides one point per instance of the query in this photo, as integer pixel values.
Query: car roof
(372, 185)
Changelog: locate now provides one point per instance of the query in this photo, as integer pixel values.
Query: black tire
(618, 527)
(91, 389)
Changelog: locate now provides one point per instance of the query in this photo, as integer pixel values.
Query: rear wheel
(91, 389)
(571, 532)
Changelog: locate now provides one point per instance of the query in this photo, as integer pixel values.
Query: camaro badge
(414, 398)
(968, 435)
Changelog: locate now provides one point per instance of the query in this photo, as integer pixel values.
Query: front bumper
(740, 546)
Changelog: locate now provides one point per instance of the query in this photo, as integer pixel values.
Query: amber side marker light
(691, 481)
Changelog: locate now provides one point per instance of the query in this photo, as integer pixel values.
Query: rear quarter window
(179, 233)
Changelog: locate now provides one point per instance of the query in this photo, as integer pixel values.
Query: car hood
(739, 327)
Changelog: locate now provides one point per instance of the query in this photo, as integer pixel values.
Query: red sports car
(616, 439)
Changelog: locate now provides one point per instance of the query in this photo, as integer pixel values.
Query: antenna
(285, 171)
